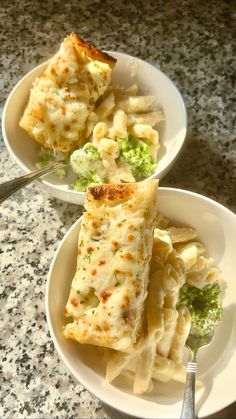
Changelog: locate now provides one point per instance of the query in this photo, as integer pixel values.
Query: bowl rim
(57, 346)
(72, 192)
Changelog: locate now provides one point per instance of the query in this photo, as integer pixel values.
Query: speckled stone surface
(192, 42)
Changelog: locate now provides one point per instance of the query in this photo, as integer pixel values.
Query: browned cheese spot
(115, 243)
(90, 249)
(74, 302)
(63, 110)
(106, 326)
(105, 295)
(51, 100)
(127, 256)
(111, 192)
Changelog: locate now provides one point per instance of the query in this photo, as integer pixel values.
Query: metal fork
(10, 187)
(194, 343)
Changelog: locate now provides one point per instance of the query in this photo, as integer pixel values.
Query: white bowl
(216, 228)
(152, 81)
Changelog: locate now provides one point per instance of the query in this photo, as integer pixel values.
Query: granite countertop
(192, 42)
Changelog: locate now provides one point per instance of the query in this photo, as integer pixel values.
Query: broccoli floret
(205, 307)
(82, 182)
(136, 153)
(83, 159)
(87, 164)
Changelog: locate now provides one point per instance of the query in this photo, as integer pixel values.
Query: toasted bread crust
(87, 50)
(114, 251)
(111, 192)
(77, 74)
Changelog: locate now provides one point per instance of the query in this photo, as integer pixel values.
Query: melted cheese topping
(114, 250)
(62, 98)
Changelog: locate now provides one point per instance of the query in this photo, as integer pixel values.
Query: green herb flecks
(205, 307)
(86, 163)
(137, 154)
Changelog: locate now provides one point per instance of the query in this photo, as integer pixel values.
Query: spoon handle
(10, 187)
(188, 407)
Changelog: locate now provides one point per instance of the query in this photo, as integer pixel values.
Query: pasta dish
(142, 285)
(122, 142)
(108, 132)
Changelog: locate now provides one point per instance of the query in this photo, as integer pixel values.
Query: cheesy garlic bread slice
(63, 97)
(109, 288)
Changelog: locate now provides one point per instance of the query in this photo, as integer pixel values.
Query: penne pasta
(119, 128)
(90, 124)
(161, 221)
(135, 104)
(181, 234)
(170, 321)
(116, 364)
(105, 107)
(149, 136)
(99, 131)
(181, 334)
(151, 118)
(143, 371)
(164, 367)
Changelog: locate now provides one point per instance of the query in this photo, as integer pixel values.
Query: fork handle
(188, 407)
(10, 187)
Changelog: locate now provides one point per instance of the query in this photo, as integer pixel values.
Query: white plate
(216, 226)
(152, 81)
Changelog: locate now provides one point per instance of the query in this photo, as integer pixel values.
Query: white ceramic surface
(152, 81)
(216, 228)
